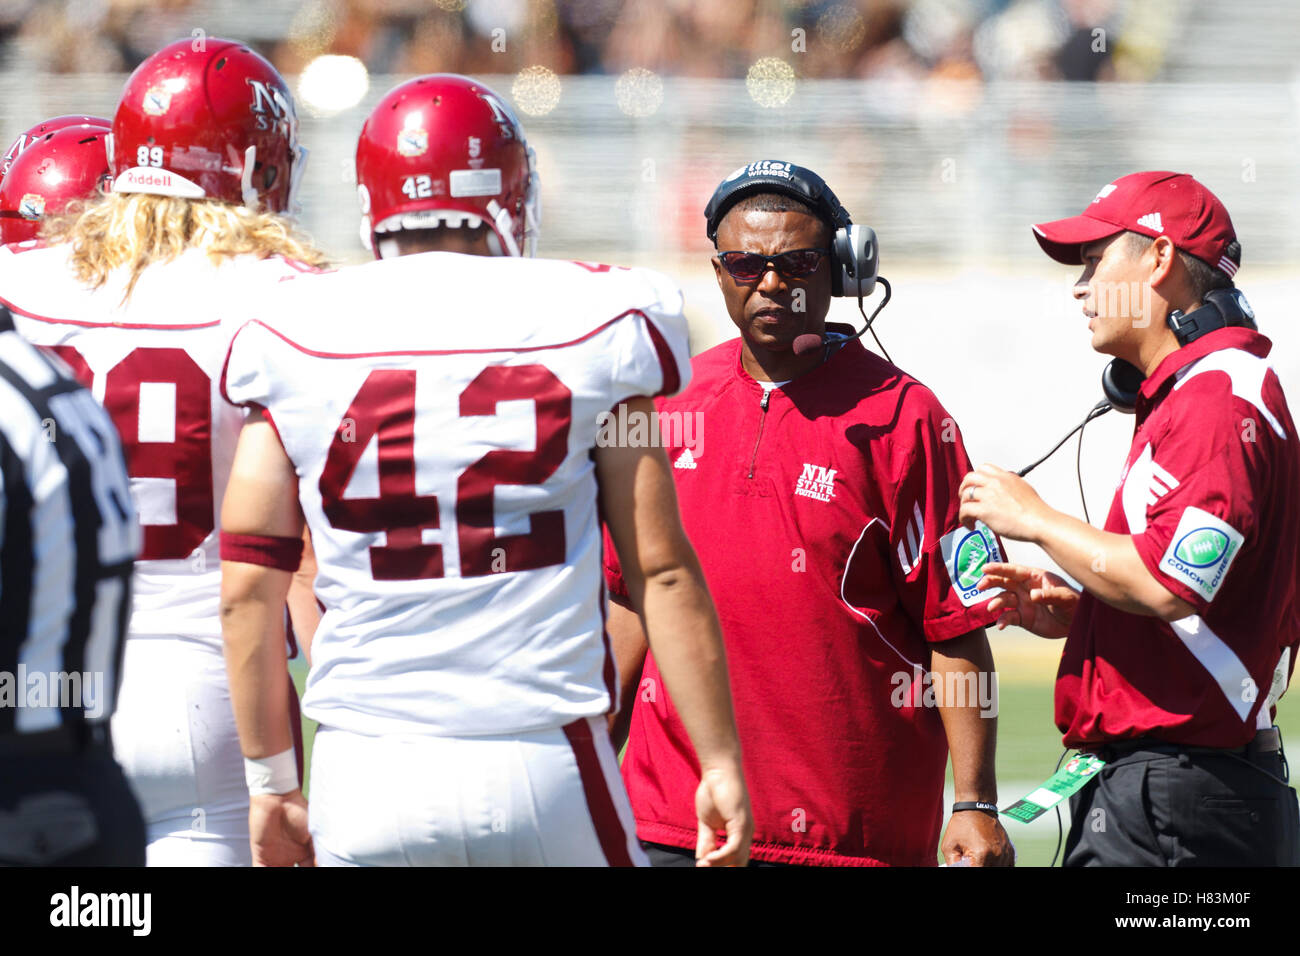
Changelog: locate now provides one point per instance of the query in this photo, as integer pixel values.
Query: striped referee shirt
(68, 536)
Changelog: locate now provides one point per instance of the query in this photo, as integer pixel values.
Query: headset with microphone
(1121, 381)
(854, 253)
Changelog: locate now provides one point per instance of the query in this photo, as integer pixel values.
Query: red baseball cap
(1153, 204)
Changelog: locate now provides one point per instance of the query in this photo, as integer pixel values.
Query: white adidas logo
(685, 460)
(1152, 221)
(909, 548)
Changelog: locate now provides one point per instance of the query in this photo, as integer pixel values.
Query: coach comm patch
(965, 553)
(1201, 551)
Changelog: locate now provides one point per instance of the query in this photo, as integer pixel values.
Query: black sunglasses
(795, 264)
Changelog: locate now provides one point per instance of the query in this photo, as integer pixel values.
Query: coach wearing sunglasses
(818, 486)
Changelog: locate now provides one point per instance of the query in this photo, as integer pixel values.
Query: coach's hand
(722, 803)
(980, 836)
(277, 828)
(1037, 600)
(1002, 500)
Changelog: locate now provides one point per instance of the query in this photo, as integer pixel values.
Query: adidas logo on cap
(1152, 221)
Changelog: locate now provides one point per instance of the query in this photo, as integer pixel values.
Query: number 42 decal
(383, 409)
(417, 187)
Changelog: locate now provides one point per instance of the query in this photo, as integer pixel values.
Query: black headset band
(1221, 308)
(797, 183)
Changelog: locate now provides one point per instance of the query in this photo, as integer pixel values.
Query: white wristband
(274, 774)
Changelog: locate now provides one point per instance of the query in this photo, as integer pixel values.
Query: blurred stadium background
(947, 125)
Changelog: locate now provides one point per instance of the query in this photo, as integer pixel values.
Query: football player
(58, 167)
(439, 420)
(131, 290)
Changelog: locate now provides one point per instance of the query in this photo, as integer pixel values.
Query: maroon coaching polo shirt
(1211, 497)
(825, 519)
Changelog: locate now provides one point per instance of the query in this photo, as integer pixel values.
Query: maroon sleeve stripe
(672, 377)
(281, 553)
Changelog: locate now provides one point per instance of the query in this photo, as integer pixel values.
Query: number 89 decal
(384, 409)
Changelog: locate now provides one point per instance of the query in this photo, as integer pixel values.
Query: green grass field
(1028, 742)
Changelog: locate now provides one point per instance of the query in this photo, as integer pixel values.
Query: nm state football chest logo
(965, 554)
(816, 482)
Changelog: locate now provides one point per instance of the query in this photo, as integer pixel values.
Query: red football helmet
(58, 167)
(47, 126)
(216, 122)
(443, 150)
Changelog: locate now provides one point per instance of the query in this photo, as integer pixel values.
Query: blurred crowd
(992, 39)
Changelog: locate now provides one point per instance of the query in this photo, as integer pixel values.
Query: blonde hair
(137, 230)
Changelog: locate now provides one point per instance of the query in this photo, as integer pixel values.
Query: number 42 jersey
(441, 412)
(153, 359)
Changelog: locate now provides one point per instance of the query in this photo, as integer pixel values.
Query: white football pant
(547, 798)
(174, 735)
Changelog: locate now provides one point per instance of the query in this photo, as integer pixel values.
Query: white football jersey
(441, 412)
(155, 364)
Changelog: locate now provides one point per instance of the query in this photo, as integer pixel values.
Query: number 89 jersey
(441, 412)
(153, 361)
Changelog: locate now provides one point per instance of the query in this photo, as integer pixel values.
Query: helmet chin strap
(292, 206)
(532, 207)
(503, 225)
(246, 179)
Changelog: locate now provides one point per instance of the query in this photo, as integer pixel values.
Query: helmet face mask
(443, 151)
(53, 169)
(216, 123)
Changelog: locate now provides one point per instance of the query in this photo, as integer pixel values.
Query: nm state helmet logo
(16, 149)
(269, 105)
(965, 555)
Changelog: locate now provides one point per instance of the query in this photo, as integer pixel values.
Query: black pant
(1175, 806)
(68, 809)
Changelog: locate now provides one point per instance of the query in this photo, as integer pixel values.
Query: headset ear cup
(855, 261)
(866, 254)
(1121, 381)
(841, 262)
